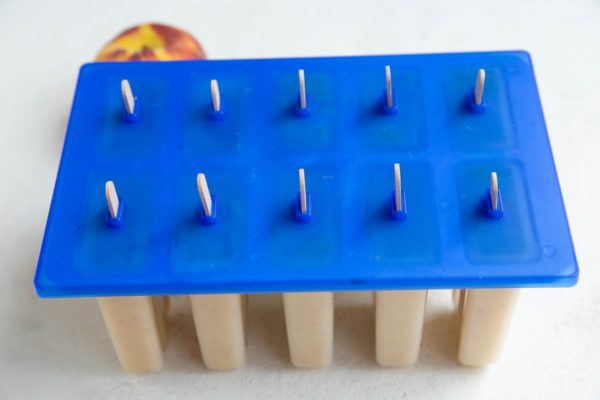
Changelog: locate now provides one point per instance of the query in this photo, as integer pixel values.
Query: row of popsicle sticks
(389, 104)
(138, 327)
(398, 209)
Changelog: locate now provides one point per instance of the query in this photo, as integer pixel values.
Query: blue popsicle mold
(347, 147)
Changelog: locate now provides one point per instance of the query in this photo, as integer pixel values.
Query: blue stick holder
(118, 220)
(300, 216)
(498, 213)
(303, 112)
(137, 112)
(217, 115)
(474, 107)
(402, 213)
(211, 219)
(387, 110)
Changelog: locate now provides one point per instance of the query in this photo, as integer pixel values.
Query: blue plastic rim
(347, 147)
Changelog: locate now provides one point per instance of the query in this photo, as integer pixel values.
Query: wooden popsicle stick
(128, 97)
(216, 95)
(302, 184)
(112, 199)
(479, 84)
(388, 87)
(494, 190)
(302, 89)
(398, 187)
(204, 193)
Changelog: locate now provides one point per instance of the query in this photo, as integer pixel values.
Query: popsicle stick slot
(208, 211)
(389, 100)
(398, 207)
(303, 206)
(477, 102)
(115, 205)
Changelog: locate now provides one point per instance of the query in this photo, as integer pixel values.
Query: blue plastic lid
(347, 146)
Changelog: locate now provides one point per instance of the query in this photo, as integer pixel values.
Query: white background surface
(60, 349)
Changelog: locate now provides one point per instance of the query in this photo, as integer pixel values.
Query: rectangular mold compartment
(509, 240)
